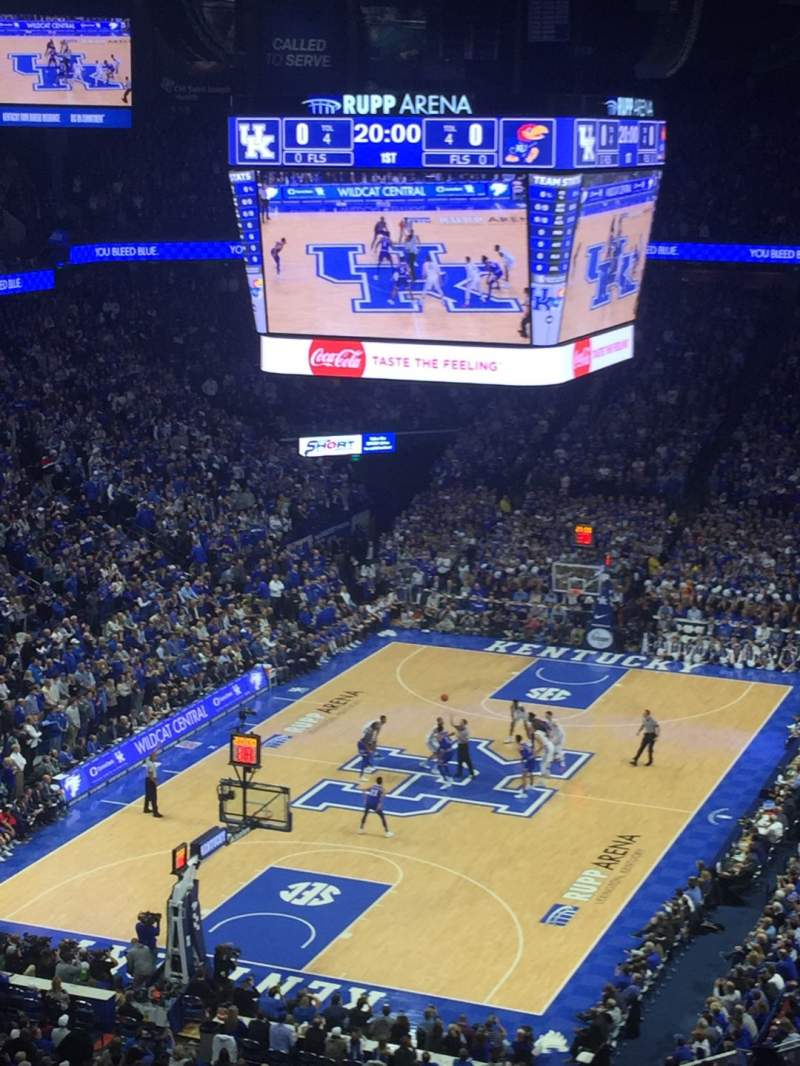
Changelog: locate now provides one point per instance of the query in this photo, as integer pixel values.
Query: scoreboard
(440, 245)
(525, 143)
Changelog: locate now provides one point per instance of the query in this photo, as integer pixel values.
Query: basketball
(444, 697)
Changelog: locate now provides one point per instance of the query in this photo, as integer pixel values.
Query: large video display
(404, 272)
(609, 248)
(65, 71)
(416, 261)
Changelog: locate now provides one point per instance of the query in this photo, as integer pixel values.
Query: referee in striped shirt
(462, 747)
(650, 730)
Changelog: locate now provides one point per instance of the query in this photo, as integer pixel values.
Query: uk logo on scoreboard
(612, 269)
(257, 140)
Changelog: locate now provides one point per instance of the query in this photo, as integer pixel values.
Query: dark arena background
(399, 583)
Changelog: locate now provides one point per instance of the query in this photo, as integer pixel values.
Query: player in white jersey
(473, 288)
(432, 740)
(557, 738)
(432, 275)
(518, 718)
(538, 729)
(507, 261)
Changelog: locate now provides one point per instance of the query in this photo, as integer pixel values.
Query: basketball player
(527, 762)
(275, 252)
(518, 715)
(401, 280)
(443, 754)
(492, 272)
(462, 747)
(384, 250)
(556, 734)
(373, 801)
(432, 273)
(380, 229)
(365, 751)
(371, 732)
(432, 740)
(507, 260)
(538, 730)
(472, 287)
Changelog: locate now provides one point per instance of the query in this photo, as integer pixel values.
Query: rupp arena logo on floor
(559, 914)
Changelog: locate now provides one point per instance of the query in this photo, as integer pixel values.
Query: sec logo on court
(548, 695)
(310, 894)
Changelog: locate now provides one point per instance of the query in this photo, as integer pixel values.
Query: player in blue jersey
(365, 750)
(275, 252)
(493, 275)
(401, 280)
(373, 801)
(527, 760)
(381, 229)
(444, 753)
(385, 250)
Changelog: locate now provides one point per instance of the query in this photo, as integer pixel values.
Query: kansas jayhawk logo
(376, 288)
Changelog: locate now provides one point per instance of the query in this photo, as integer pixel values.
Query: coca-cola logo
(337, 359)
(581, 357)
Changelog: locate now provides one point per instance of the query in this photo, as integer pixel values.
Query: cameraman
(148, 929)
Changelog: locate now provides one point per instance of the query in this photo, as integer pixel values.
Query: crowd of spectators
(755, 1002)
(153, 542)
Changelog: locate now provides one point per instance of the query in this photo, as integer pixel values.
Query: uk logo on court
(559, 914)
(496, 786)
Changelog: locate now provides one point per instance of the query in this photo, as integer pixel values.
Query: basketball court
(329, 275)
(632, 227)
(481, 898)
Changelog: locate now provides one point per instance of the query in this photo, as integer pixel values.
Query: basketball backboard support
(254, 805)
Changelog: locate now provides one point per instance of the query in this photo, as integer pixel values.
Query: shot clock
(180, 858)
(584, 535)
(245, 751)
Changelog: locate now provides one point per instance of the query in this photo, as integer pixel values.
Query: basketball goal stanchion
(244, 804)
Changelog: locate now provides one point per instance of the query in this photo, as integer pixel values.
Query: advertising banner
(134, 750)
(479, 364)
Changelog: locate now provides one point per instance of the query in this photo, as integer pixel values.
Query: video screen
(609, 247)
(425, 260)
(526, 279)
(60, 71)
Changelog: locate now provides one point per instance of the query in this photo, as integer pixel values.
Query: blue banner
(156, 251)
(387, 190)
(726, 253)
(51, 27)
(129, 753)
(27, 115)
(28, 281)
